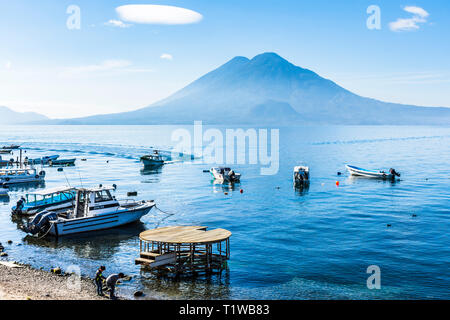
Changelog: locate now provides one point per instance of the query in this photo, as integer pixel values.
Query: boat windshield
(101, 196)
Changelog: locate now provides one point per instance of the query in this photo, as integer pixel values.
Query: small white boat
(301, 176)
(356, 171)
(26, 175)
(225, 174)
(95, 209)
(56, 199)
(152, 160)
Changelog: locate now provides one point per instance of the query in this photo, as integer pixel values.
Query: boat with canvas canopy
(55, 199)
(95, 209)
(360, 172)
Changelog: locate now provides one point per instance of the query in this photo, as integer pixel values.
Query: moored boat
(356, 171)
(95, 209)
(43, 160)
(5, 151)
(12, 146)
(301, 176)
(56, 199)
(21, 175)
(152, 160)
(225, 174)
(62, 162)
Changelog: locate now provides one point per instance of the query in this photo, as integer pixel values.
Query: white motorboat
(55, 199)
(21, 175)
(95, 209)
(225, 174)
(301, 176)
(356, 171)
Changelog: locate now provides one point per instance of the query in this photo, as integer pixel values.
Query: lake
(315, 243)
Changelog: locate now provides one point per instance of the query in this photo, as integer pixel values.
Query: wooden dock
(189, 250)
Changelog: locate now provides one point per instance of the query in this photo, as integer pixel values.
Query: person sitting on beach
(99, 278)
(111, 282)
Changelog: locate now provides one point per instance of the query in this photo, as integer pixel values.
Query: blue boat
(43, 160)
(56, 199)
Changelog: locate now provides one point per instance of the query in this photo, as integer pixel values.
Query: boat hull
(360, 172)
(18, 180)
(152, 163)
(99, 222)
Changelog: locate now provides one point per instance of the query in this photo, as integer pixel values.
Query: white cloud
(166, 56)
(410, 24)
(157, 14)
(417, 11)
(105, 68)
(8, 65)
(117, 23)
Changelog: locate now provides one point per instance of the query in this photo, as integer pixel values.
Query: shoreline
(26, 283)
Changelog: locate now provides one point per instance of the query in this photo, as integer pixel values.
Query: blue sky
(112, 65)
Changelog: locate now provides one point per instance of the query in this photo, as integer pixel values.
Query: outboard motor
(394, 173)
(19, 206)
(41, 222)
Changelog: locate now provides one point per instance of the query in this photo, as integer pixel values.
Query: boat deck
(184, 249)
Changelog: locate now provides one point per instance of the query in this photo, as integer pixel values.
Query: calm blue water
(315, 244)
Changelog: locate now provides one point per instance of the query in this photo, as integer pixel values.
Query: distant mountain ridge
(269, 90)
(8, 116)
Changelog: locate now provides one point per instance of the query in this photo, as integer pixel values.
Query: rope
(163, 219)
(169, 214)
(46, 233)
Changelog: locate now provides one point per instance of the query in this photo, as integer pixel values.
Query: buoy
(10, 242)
(132, 194)
(242, 190)
(107, 161)
(226, 193)
(60, 169)
(389, 225)
(339, 173)
(337, 183)
(414, 215)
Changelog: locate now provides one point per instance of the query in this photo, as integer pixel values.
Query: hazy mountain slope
(8, 116)
(233, 93)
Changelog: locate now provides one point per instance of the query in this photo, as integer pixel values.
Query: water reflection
(26, 186)
(152, 174)
(4, 200)
(359, 179)
(99, 245)
(301, 189)
(207, 287)
(225, 187)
